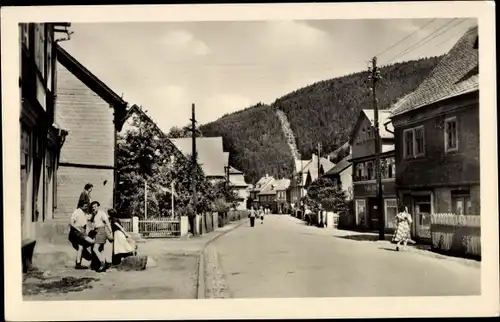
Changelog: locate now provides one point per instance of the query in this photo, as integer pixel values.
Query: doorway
(373, 214)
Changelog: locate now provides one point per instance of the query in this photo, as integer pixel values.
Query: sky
(224, 67)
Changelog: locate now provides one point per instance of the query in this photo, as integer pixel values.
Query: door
(422, 215)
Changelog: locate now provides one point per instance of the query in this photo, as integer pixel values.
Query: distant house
(282, 196)
(341, 174)
(437, 138)
(296, 189)
(257, 188)
(363, 171)
(316, 169)
(210, 155)
(267, 195)
(92, 114)
(237, 179)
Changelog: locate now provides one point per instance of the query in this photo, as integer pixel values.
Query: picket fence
(456, 234)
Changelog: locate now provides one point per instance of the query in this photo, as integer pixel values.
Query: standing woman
(252, 217)
(123, 245)
(403, 231)
(85, 197)
(104, 232)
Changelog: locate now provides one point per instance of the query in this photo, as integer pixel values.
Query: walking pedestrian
(261, 215)
(252, 217)
(403, 223)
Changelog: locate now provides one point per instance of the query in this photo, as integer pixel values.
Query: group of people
(256, 214)
(92, 230)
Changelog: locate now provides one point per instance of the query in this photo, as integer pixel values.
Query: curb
(201, 262)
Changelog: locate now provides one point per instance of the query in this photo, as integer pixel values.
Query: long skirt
(252, 221)
(402, 232)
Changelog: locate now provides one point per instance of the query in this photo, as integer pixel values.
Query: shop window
(450, 134)
(391, 209)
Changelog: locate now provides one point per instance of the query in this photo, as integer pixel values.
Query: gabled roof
(383, 118)
(341, 166)
(282, 184)
(312, 170)
(93, 83)
(269, 188)
(210, 155)
(237, 178)
(455, 74)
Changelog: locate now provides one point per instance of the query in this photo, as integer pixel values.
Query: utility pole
(375, 76)
(319, 156)
(145, 199)
(193, 167)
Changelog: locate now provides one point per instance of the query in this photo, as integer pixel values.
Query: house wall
(87, 155)
(437, 167)
(346, 181)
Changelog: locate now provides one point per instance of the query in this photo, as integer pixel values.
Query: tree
(145, 154)
(182, 132)
(326, 193)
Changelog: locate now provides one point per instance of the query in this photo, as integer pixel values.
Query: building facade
(363, 171)
(282, 196)
(40, 138)
(437, 139)
(237, 179)
(92, 114)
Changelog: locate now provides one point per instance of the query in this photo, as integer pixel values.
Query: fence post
(184, 225)
(135, 225)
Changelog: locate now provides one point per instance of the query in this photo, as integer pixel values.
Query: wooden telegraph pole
(375, 76)
(193, 167)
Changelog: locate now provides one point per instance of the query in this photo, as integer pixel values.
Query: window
(25, 165)
(414, 142)
(25, 34)
(49, 63)
(450, 134)
(40, 47)
(391, 209)
(369, 169)
(360, 171)
(461, 203)
(360, 211)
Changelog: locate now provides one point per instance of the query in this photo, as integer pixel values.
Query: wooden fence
(127, 224)
(160, 227)
(459, 235)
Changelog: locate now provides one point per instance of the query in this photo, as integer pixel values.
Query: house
(237, 179)
(341, 174)
(92, 114)
(437, 139)
(210, 155)
(40, 138)
(267, 195)
(257, 188)
(297, 188)
(282, 196)
(363, 141)
(317, 167)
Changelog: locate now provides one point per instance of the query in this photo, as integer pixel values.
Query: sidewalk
(173, 272)
(371, 239)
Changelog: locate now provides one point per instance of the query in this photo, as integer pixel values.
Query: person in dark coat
(85, 197)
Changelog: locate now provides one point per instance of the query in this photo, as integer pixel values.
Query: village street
(285, 258)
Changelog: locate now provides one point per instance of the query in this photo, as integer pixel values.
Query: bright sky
(223, 67)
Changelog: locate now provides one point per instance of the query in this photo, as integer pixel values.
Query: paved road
(285, 258)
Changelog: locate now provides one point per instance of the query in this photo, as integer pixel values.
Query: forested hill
(322, 112)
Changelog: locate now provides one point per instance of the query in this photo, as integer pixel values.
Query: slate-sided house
(210, 155)
(362, 141)
(282, 196)
(437, 138)
(341, 174)
(257, 188)
(313, 173)
(237, 179)
(267, 195)
(40, 138)
(92, 114)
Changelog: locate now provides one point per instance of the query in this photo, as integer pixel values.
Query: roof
(237, 178)
(455, 74)
(269, 188)
(262, 183)
(234, 171)
(343, 147)
(341, 166)
(210, 155)
(300, 165)
(92, 82)
(282, 184)
(312, 168)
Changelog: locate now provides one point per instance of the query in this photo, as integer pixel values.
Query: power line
(408, 36)
(427, 39)
(448, 39)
